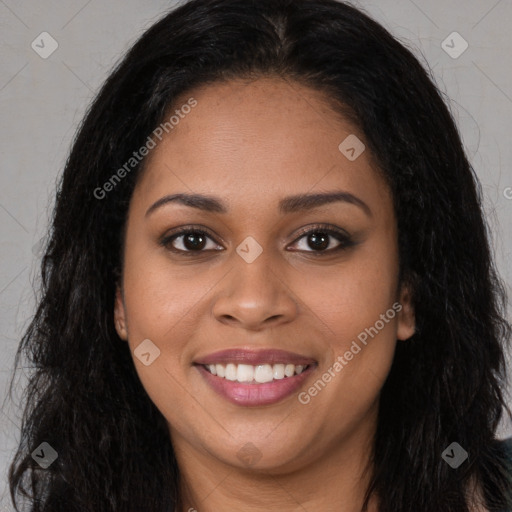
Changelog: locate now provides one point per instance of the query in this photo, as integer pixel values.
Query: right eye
(191, 241)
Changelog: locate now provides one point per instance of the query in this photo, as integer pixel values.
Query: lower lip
(255, 394)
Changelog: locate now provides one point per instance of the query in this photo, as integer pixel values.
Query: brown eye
(189, 241)
(318, 240)
(194, 241)
(323, 239)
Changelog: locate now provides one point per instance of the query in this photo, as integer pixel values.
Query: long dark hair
(446, 384)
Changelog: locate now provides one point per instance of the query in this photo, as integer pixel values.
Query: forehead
(249, 138)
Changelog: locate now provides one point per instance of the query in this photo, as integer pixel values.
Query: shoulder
(504, 446)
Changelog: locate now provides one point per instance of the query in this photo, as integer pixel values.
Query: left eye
(321, 240)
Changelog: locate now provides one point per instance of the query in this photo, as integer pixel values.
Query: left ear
(120, 315)
(406, 317)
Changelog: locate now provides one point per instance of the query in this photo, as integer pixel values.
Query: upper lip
(254, 357)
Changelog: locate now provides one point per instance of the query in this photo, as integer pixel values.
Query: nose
(255, 296)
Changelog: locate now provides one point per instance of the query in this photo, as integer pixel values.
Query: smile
(255, 374)
(255, 378)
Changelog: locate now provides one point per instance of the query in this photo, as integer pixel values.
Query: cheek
(361, 310)
(360, 307)
(353, 297)
(158, 291)
(162, 303)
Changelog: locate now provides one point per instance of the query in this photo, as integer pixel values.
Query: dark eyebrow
(301, 202)
(202, 202)
(289, 204)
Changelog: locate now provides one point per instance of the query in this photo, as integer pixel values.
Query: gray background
(43, 100)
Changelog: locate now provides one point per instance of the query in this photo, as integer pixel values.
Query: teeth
(244, 373)
(231, 372)
(278, 371)
(260, 373)
(263, 373)
(289, 370)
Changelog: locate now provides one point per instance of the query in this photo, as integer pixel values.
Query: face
(284, 280)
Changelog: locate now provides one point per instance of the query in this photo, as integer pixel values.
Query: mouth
(253, 378)
(259, 374)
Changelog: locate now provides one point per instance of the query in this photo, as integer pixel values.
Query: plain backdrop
(42, 100)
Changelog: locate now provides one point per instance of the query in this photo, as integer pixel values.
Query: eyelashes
(198, 239)
(192, 233)
(323, 232)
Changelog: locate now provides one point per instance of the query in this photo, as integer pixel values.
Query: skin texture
(252, 143)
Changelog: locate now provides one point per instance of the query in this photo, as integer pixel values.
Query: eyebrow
(290, 204)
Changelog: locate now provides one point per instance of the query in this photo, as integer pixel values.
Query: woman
(268, 284)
